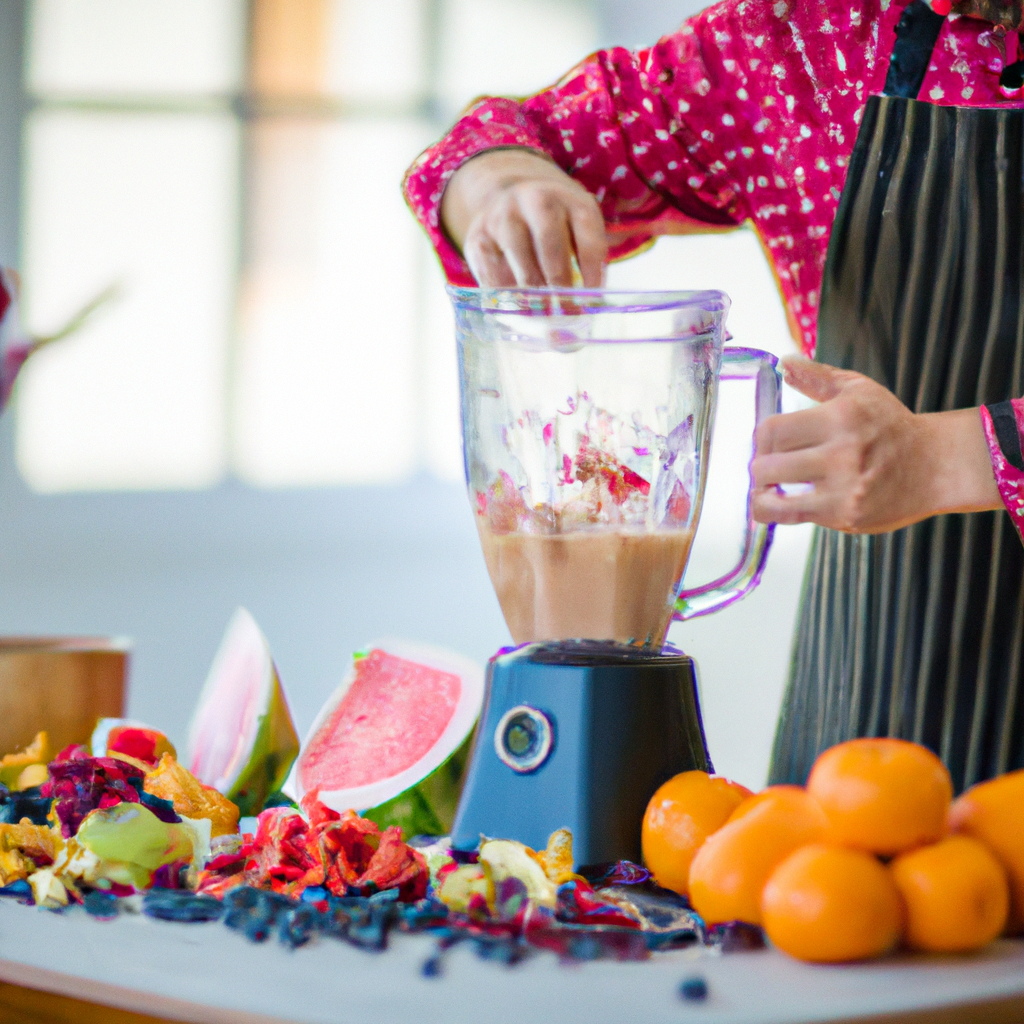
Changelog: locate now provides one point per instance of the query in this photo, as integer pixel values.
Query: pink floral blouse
(1009, 478)
(748, 113)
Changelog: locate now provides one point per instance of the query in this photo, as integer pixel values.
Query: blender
(587, 418)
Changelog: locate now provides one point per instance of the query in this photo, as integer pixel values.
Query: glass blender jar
(587, 418)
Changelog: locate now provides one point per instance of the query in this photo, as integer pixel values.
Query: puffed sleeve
(1004, 431)
(747, 113)
(619, 123)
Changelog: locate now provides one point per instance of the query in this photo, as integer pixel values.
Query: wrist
(956, 463)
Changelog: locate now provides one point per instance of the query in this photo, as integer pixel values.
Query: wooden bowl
(60, 684)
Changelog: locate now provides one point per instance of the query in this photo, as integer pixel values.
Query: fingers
(807, 465)
(771, 506)
(589, 240)
(517, 244)
(487, 263)
(792, 431)
(818, 381)
(551, 241)
(528, 237)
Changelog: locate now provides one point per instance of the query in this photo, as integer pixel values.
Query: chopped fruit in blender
(606, 559)
(502, 504)
(620, 480)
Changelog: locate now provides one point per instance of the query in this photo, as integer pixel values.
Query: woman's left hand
(874, 465)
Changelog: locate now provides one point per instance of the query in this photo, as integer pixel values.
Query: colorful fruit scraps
(24, 848)
(83, 784)
(172, 781)
(342, 853)
(26, 768)
(134, 838)
(113, 736)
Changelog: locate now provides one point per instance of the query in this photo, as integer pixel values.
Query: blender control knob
(524, 738)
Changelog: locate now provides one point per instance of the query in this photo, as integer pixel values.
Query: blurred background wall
(268, 416)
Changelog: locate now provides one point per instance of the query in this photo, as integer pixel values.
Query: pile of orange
(872, 854)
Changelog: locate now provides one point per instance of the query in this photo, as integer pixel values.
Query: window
(235, 167)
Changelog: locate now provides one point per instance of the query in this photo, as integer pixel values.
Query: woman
(887, 136)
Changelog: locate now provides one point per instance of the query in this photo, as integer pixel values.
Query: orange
(830, 904)
(772, 795)
(883, 796)
(956, 895)
(993, 812)
(730, 869)
(680, 816)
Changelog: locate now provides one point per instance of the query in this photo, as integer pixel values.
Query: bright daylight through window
(235, 168)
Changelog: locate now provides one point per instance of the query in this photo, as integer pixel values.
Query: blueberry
(694, 990)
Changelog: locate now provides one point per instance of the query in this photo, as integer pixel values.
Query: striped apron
(920, 633)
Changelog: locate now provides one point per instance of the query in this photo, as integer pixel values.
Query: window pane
(376, 50)
(289, 48)
(328, 387)
(511, 47)
(442, 430)
(135, 47)
(146, 200)
(362, 51)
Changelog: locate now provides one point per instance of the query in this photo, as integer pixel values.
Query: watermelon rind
(273, 753)
(261, 761)
(421, 800)
(428, 808)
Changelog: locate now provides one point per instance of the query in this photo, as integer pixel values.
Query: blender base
(579, 734)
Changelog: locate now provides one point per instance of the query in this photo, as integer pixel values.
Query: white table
(207, 973)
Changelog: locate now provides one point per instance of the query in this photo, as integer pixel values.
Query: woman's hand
(874, 466)
(519, 219)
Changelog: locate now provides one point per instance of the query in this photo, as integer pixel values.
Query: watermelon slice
(242, 740)
(393, 740)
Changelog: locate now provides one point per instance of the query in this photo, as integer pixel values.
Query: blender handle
(741, 364)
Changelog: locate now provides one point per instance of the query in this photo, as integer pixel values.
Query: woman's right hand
(519, 219)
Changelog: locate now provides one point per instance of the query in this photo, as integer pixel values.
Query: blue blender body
(578, 734)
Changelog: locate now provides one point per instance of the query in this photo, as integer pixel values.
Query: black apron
(920, 633)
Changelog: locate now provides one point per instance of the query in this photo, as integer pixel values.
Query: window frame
(231, 518)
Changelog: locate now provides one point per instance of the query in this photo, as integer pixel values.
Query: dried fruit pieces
(23, 848)
(26, 768)
(509, 878)
(80, 786)
(343, 853)
(172, 781)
